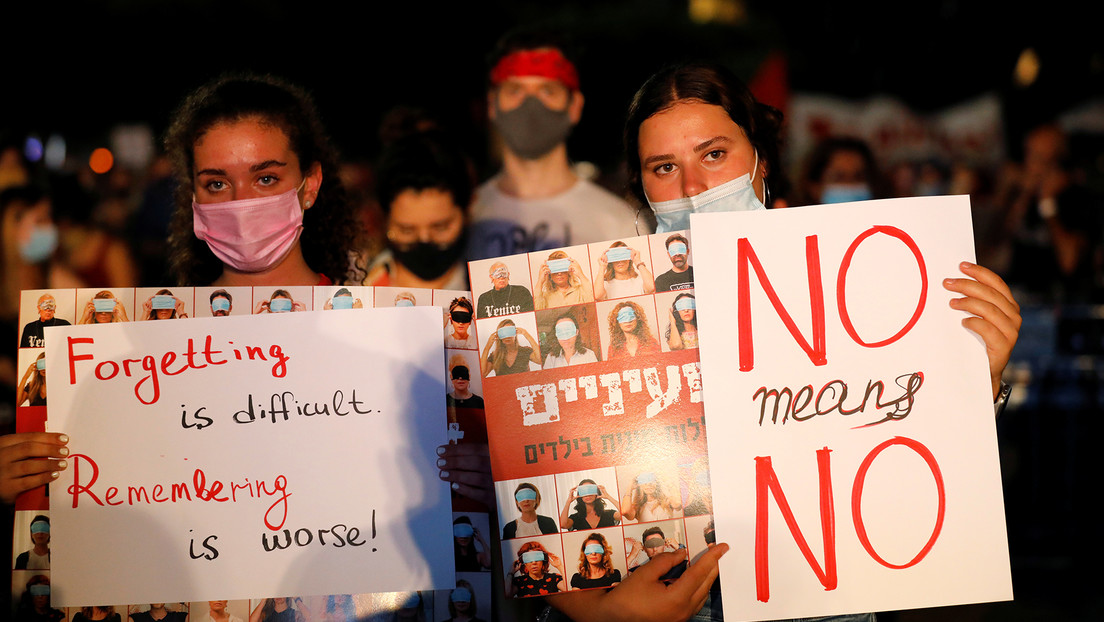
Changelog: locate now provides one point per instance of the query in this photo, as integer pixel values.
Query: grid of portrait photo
(606, 306)
(471, 521)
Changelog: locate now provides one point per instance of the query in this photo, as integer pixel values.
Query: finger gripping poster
(237, 456)
(852, 441)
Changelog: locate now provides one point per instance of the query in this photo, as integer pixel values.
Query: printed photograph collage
(605, 309)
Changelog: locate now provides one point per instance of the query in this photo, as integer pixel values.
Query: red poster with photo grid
(594, 409)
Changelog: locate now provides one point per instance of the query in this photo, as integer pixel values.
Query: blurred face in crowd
(845, 167)
(552, 93)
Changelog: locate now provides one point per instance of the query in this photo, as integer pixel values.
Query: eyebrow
(260, 166)
(712, 141)
(704, 146)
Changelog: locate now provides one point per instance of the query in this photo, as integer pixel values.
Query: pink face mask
(250, 235)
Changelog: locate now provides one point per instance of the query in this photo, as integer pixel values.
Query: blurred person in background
(28, 259)
(424, 187)
(840, 170)
(537, 201)
(1050, 221)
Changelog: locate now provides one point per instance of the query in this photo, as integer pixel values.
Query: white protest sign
(247, 457)
(852, 444)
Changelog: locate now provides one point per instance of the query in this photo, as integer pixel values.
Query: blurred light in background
(101, 160)
(55, 152)
(1027, 68)
(32, 149)
(717, 11)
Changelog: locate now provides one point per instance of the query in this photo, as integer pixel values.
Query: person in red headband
(538, 201)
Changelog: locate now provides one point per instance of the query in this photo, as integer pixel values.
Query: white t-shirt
(528, 529)
(505, 225)
(620, 288)
(38, 562)
(552, 362)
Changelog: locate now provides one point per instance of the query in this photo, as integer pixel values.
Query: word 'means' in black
(282, 405)
(832, 397)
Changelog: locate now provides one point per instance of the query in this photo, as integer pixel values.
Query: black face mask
(428, 260)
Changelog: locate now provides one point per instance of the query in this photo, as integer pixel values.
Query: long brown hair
(610, 273)
(38, 381)
(617, 336)
(498, 356)
(607, 563)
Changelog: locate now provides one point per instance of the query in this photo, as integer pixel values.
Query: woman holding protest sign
(698, 141)
(258, 200)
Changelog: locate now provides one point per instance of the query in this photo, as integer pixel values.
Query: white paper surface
(950, 417)
(371, 469)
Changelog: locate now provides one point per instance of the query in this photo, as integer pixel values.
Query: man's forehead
(499, 266)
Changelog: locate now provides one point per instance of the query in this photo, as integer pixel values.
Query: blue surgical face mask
(594, 548)
(42, 243)
(529, 557)
(586, 490)
(566, 330)
(845, 193)
(104, 305)
(626, 315)
(342, 302)
(279, 305)
(737, 195)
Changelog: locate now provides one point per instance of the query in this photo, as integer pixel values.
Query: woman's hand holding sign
(996, 315)
(29, 460)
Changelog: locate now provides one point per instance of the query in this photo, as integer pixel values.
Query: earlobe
(314, 185)
(575, 107)
(491, 104)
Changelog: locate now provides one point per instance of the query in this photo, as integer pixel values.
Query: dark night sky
(81, 67)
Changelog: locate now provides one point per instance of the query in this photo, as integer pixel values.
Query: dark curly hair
(712, 84)
(330, 231)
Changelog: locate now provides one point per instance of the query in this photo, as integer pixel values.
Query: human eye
(215, 185)
(268, 179)
(714, 155)
(665, 168)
